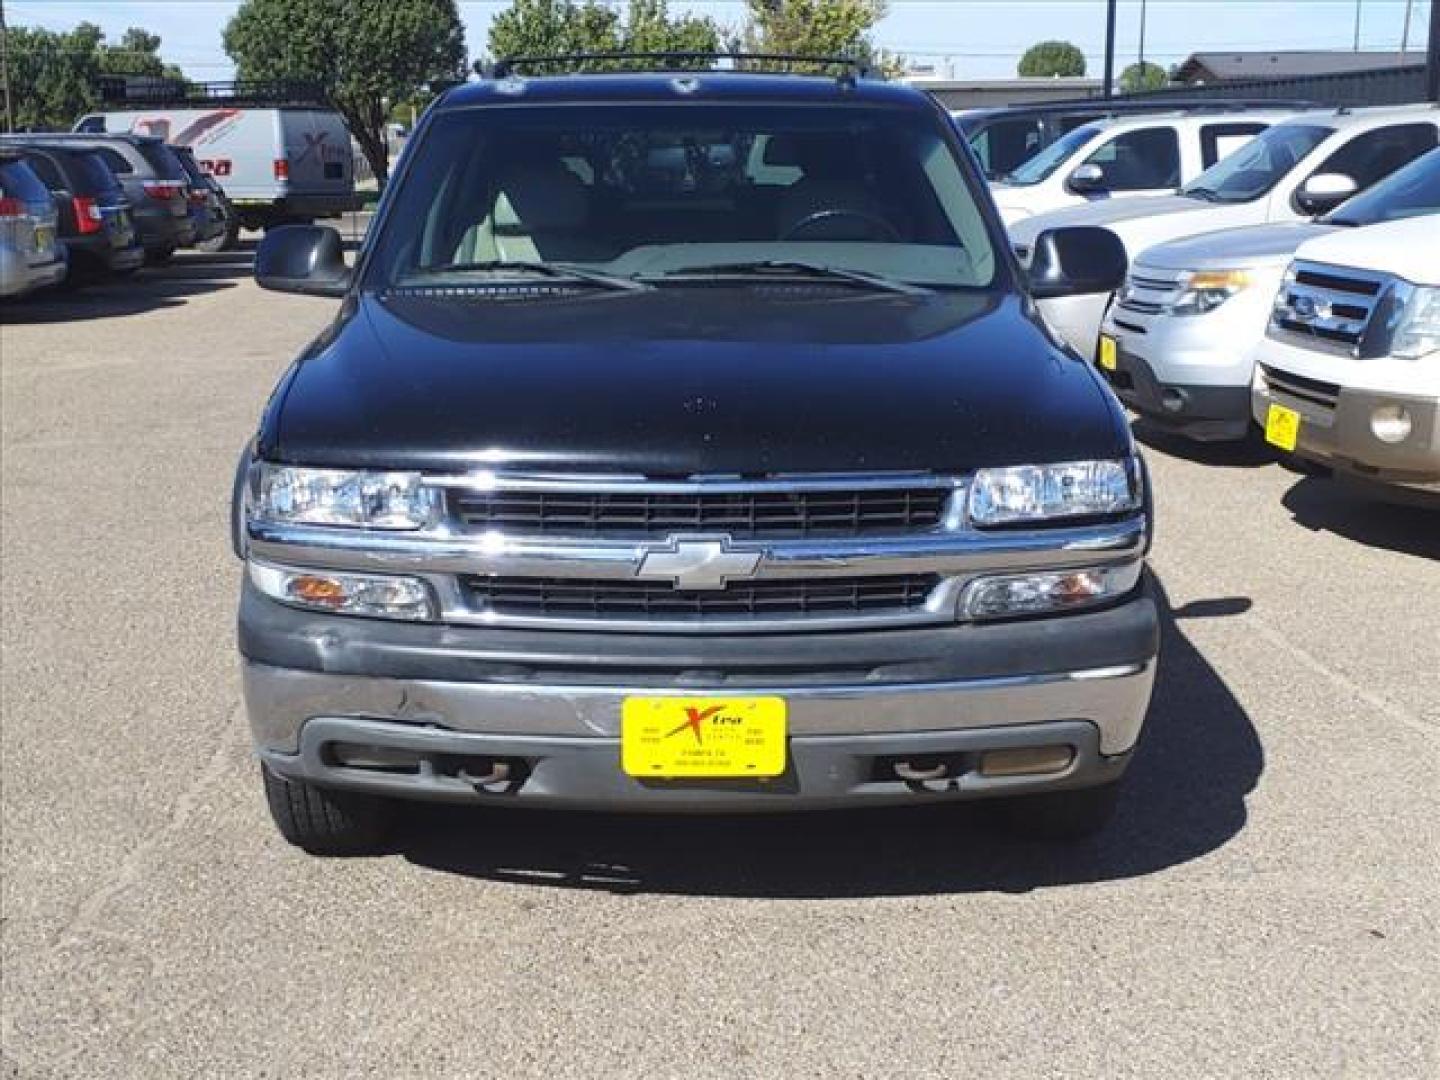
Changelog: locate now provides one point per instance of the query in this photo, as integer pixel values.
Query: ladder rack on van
(149, 92)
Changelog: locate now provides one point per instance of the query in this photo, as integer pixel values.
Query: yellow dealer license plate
(1108, 353)
(44, 238)
(678, 737)
(1282, 427)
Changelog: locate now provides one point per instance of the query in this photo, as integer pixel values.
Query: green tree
(815, 27)
(368, 54)
(52, 75)
(1047, 58)
(1144, 76)
(567, 27)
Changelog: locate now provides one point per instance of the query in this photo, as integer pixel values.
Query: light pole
(1357, 25)
(1108, 90)
(1142, 37)
(1405, 33)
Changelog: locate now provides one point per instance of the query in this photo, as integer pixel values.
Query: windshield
(1409, 192)
(1259, 165)
(641, 192)
(1053, 156)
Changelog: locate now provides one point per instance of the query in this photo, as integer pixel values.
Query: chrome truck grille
(1327, 305)
(710, 554)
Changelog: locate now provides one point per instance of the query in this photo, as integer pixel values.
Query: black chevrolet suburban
(688, 441)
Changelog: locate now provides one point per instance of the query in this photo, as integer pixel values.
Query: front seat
(542, 213)
(827, 182)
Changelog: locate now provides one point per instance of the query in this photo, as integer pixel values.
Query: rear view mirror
(1086, 179)
(1325, 191)
(1076, 261)
(308, 259)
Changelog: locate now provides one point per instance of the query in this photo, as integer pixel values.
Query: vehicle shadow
(1184, 797)
(1319, 504)
(1252, 452)
(150, 289)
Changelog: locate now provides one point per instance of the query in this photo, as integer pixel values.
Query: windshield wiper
(792, 267)
(1208, 194)
(548, 269)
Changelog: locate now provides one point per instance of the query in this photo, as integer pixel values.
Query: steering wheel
(878, 225)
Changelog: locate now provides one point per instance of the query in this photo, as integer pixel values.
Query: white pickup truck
(1295, 170)
(1348, 373)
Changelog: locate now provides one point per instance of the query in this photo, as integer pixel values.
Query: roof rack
(152, 90)
(852, 67)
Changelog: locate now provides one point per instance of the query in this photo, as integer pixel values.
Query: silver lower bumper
(564, 740)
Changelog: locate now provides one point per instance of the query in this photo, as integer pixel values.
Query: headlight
(381, 595)
(370, 500)
(1417, 327)
(1205, 290)
(1045, 492)
(1049, 591)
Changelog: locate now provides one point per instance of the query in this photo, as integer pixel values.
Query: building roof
(1280, 64)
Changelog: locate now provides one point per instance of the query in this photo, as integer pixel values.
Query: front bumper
(1340, 435)
(1201, 412)
(548, 704)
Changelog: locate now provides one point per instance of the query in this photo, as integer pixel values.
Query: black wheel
(1060, 815)
(224, 242)
(326, 821)
(158, 256)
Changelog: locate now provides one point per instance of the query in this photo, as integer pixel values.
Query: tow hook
(919, 774)
(498, 774)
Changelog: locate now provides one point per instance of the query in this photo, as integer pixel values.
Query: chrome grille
(1327, 304)
(1147, 292)
(761, 513)
(763, 599)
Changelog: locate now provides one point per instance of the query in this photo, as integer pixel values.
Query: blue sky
(980, 38)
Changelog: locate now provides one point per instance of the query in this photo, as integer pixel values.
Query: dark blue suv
(689, 441)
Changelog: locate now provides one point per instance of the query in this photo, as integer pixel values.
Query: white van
(1136, 155)
(277, 165)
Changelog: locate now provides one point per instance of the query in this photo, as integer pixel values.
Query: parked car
(215, 225)
(1005, 138)
(278, 165)
(1178, 344)
(610, 491)
(154, 181)
(1139, 155)
(93, 215)
(31, 256)
(1348, 373)
(1292, 171)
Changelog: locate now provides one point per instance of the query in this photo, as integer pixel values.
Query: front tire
(1061, 815)
(326, 821)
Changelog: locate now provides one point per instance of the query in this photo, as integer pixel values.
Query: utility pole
(1357, 25)
(5, 70)
(1109, 90)
(1405, 33)
(1142, 37)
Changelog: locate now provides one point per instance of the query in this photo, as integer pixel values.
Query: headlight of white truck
(1024, 493)
(1203, 291)
(341, 497)
(1417, 325)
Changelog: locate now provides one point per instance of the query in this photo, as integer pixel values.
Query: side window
(91, 125)
(1006, 144)
(1375, 154)
(1140, 160)
(116, 160)
(1222, 140)
(45, 169)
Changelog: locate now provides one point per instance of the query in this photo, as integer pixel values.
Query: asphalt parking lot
(1267, 903)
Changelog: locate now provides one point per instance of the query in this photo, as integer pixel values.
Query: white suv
(1295, 170)
(1348, 373)
(1139, 155)
(1178, 343)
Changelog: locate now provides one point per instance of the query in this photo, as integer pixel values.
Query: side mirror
(1323, 192)
(307, 259)
(1076, 261)
(1086, 179)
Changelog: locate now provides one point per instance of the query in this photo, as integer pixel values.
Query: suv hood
(1111, 212)
(763, 380)
(1405, 247)
(1250, 246)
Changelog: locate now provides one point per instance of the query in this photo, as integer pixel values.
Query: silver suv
(30, 255)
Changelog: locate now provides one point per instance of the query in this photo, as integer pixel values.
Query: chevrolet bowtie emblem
(698, 564)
